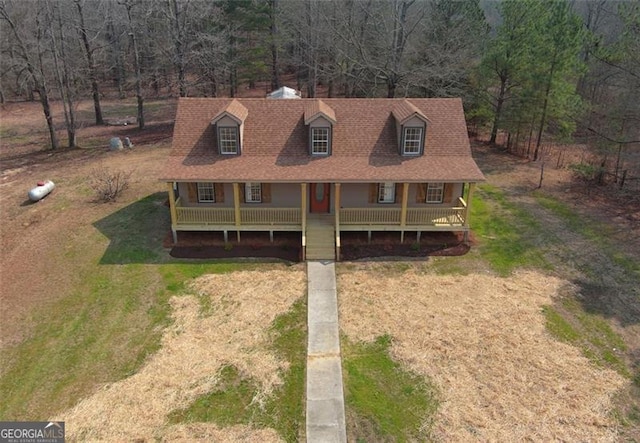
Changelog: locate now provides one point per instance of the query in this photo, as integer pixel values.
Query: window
(412, 141)
(228, 140)
(320, 141)
(386, 193)
(206, 193)
(253, 193)
(435, 192)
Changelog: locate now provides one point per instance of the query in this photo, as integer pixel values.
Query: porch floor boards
(321, 243)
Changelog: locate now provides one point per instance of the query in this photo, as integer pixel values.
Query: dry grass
(233, 332)
(482, 340)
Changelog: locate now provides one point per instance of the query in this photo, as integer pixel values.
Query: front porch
(338, 219)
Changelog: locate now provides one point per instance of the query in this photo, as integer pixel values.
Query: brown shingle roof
(234, 109)
(404, 110)
(316, 108)
(364, 143)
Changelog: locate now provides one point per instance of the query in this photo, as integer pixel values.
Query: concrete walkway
(325, 396)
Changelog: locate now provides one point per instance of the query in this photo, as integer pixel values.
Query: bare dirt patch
(43, 252)
(482, 340)
(232, 331)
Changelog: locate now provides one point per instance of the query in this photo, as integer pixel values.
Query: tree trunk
(139, 96)
(391, 87)
(46, 108)
(38, 85)
(543, 119)
(179, 49)
(136, 62)
(273, 31)
(498, 113)
(91, 64)
(63, 80)
(119, 71)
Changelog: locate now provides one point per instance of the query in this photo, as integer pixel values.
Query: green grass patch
(506, 232)
(109, 323)
(100, 333)
(590, 332)
(229, 404)
(231, 401)
(383, 400)
(598, 233)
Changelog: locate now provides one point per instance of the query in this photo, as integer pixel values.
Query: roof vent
(285, 92)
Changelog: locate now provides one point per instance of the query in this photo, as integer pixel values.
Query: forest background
(530, 72)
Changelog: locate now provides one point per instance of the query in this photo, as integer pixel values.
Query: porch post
(337, 208)
(303, 216)
(467, 211)
(403, 211)
(172, 210)
(236, 208)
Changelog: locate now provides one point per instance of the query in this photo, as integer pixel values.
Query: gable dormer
(320, 119)
(229, 126)
(411, 128)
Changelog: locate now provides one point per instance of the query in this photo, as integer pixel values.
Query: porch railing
(191, 215)
(438, 216)
(435, 216)
(370, 216)
(270, 216)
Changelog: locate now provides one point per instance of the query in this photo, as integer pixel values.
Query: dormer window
(229, 124)
(320, 119)
(228, 139)
(412, 141)
(411, 126)
(320, 141)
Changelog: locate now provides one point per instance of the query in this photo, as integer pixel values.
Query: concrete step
(321, 257)
(321, 237)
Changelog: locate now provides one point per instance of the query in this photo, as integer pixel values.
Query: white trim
(386, 192)
(253, 192)
(206, 193)
(322, 136)
(435, 193)
(228, 140)
(412, 140)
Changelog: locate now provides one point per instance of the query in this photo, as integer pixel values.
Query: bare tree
(61, 67)
(132, 29)
(31, 55)
(91, 65)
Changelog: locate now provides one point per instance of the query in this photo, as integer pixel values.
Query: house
(320, 167)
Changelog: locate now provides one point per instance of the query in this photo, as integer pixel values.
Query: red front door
(319, 197)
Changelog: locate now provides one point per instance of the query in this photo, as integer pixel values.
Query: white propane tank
(40, 191)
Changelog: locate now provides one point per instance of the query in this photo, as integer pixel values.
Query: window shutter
(266, 193)
(448, 193)
(192, 190)
(398, 193)
(218, 189)
(243, 193)
(421, 195)
(373, 193)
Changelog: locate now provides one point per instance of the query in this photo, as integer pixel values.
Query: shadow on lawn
(618, 301)
(136, 231)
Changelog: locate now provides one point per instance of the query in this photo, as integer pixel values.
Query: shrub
(108, 184)
(585, 172)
